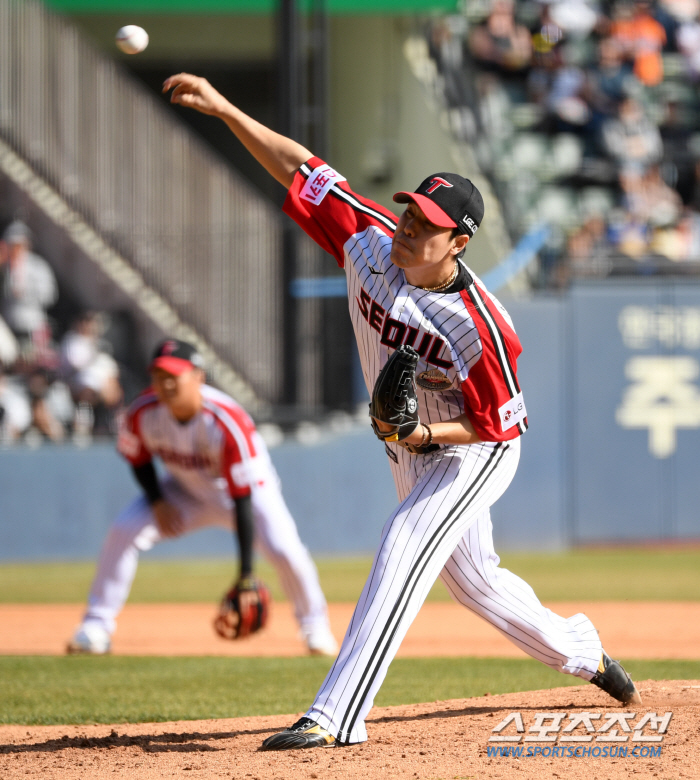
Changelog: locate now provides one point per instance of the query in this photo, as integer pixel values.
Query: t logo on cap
(437, 182)
(176, 357)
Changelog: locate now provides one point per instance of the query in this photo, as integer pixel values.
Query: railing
(197, 233)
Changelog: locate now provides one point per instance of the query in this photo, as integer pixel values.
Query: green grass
(611, 574)
(594, 575)
(166, 581)
(44, 690)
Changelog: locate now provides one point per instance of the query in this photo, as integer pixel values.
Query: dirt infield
(629, 630)
(422, 742)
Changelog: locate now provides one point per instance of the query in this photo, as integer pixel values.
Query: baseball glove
(394, 400)
(244, 609)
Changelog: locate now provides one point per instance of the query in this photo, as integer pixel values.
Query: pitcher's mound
(448, 739)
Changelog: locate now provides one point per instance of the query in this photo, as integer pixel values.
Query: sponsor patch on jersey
(319, 182)
(434, 380)
(248, 472)
(512, 412)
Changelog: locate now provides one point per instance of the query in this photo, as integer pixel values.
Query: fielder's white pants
(276, 535)
(442, 528)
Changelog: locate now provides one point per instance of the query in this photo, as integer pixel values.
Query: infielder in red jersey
(218, 473)
(408, 285)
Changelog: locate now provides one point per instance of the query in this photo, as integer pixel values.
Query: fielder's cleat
(89, 640)
(322, 643)
(305, 733)
(615, 681)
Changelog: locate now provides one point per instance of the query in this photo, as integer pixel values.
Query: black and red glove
(244, 609)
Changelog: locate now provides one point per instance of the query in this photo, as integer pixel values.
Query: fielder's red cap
(448, 200)
(176, 357)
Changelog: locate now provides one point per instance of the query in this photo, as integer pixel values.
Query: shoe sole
(75, 650)
(314, 737)
(321, 651)
(296, 747)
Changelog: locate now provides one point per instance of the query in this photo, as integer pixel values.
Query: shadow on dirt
(194, 742)
(467, 711)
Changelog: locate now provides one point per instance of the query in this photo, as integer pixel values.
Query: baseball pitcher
(448, 408)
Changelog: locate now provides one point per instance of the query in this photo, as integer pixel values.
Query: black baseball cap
(176, 357)
(448, 200)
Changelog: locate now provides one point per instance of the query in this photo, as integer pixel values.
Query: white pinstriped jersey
(466, 341)
(217, 452)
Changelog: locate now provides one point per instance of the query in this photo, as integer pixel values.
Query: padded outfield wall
(611, 378)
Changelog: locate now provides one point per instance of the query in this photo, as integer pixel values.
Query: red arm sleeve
(321, 202)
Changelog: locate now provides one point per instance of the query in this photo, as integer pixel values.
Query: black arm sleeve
(148, 479)
(244, 529)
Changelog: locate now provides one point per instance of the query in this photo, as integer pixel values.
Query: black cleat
(615, 681)
(305, 733)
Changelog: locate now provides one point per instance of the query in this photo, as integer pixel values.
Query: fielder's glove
(394, 400)
(244, 609)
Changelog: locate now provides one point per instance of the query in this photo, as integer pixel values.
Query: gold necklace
(446, 284)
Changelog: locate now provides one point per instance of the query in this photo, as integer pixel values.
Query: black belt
(410, 448)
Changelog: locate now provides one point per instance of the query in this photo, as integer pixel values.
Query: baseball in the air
(132, 39)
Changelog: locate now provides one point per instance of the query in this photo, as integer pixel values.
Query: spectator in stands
(670, 14)
(647, 198)
(9, 350)
(609, 81)
(681, 242)
(91, 373)
(566, 99)
(663, 203)
(15, 409)
(677, 127)
(641, 39)
(556, 82)
(694, 199)
(689, 231)
(577, 18)
(589, 249)
(51, 404)
(631, 139)
(688, 40)
(28, 290)
(629, 236)
(500, 42)
(547, 61)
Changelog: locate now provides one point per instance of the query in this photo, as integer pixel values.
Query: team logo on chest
(433, 380)
(394, 332)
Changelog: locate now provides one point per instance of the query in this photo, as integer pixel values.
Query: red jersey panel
(493, 400)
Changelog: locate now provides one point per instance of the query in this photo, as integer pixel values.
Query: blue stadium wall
(611, 377)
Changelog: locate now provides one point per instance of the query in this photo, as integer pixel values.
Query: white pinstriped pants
(276, 535)
(442, 528)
